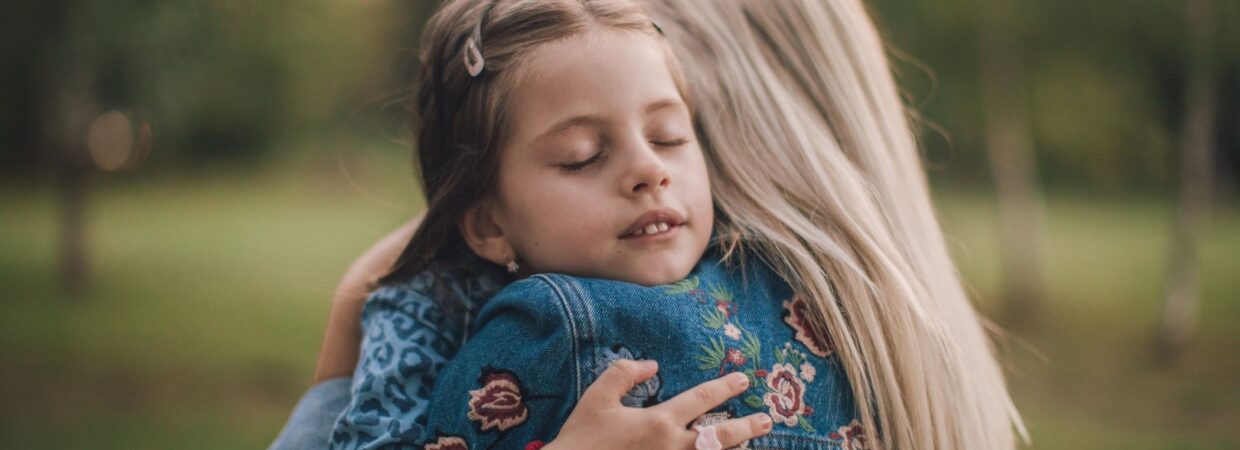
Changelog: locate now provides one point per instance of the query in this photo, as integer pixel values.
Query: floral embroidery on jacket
(447, 443)
(779, 390)
(785, 390)
(720, 315)
(808, 333)
(643, 394)
(808, 372)
(498, 403)
(852, 436)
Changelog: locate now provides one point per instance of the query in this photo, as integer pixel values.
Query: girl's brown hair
(460, 119)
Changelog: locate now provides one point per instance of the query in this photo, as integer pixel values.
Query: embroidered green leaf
(714, 318)
(712, 356)
(753, 401)
(805, 425)
(707, 363)
(682, 286)
(721, 294)
(779, 356)
(750, 346)
(718, 346)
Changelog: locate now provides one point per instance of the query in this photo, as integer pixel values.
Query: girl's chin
(658, 273)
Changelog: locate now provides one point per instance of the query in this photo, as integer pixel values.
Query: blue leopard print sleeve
(406, 341)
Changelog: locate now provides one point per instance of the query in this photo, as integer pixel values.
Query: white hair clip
(474, 62)
(473, 58)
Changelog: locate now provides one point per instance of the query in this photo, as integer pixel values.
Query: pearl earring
(512, 265)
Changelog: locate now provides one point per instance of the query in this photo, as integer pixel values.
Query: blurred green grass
(209, 293)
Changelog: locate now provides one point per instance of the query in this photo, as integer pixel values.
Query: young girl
(836, 193)
(593, 172)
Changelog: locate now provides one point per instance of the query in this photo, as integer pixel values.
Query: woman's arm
(309, 426)
(343, 337)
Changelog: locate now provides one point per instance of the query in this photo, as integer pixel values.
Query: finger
(691, 404)
(618, 380)
(734, 432)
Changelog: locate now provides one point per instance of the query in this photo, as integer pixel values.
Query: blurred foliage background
(183, 183)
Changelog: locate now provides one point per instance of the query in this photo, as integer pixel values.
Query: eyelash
(672, 143)
(579, 166)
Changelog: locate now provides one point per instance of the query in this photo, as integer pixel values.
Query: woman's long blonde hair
(814, 163)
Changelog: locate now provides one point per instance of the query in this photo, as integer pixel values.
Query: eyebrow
(595, 120)
(586, 120)
(664, 103)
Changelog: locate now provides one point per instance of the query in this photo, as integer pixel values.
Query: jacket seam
(572, 329)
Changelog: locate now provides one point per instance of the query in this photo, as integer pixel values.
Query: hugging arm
(338, 356)
(310, 424)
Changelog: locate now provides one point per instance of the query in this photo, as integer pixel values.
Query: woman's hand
(343, 337)
(600, 422)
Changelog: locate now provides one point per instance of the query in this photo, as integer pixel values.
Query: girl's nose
(647, 173)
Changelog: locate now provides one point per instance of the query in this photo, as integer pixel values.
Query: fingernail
(764, 421)
(739, 380)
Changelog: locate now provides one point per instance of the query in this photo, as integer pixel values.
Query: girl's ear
(484, 235)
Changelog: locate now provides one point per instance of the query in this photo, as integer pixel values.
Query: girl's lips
(653, 218)
(671, 232)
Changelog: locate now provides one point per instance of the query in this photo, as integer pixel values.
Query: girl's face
(601, 174)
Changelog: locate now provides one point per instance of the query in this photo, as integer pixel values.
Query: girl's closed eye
(579, 166)
(669, 134)
(675, 142)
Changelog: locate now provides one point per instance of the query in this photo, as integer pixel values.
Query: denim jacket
(540, 342)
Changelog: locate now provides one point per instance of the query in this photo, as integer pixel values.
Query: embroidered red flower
(808, 333)
(447, 443)
(785, 398)
(498, 403)
(852, 436)
(735, 357)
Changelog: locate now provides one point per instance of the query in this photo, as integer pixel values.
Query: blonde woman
(813, 163)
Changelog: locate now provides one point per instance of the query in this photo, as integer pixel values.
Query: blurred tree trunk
(1179, 321)
(73, 268)
(73, 108)
(1012, 164)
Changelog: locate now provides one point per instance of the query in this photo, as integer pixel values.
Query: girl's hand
(343, 337)
(600, 422)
